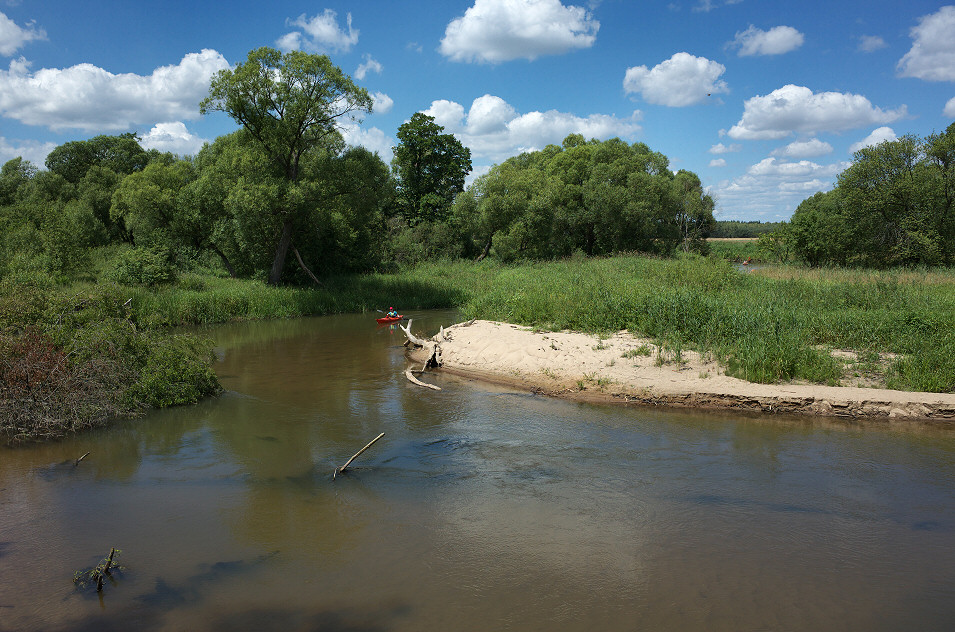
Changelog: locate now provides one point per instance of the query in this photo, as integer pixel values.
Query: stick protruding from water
(339, 470)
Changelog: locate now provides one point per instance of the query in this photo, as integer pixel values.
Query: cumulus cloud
(319, 34)
(718, 162)
(804, 149)
(796, 109)
(871, 43)
(720, 148)
(172, 137)
(369, 65)
(677, 82)
(372, 139)
(495, 31)
(90, 98)
(877, 136)
(12, 37)
(34, 151)
(772, 188)
(949, 110)
(494, 130)
(775, 41)
(932, 56)
(381, 103)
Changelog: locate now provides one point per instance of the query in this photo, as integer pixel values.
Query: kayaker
(392, 313)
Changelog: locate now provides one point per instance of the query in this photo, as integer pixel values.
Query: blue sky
(764, 100)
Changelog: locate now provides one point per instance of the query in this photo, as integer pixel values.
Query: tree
(121, 154)
(290, 104)
(430, 168)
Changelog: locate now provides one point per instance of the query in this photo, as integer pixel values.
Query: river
(481, 508)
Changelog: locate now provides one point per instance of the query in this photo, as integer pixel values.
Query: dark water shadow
(167, 595)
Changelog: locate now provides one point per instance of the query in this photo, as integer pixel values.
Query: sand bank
(628, 370)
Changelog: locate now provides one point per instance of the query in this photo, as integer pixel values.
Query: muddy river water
(482, 508)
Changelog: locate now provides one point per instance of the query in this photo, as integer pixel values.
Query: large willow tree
(597, 197)
(291, 104)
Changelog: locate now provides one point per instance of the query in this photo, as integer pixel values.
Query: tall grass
(767, 328)
(771, 325)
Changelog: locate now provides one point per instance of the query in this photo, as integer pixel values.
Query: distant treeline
(735, 229)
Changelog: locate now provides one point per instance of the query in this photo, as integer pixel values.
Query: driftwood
(340, 470)
(77, 462)
(411, 378)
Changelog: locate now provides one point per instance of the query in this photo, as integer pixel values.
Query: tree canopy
(430, 168)
(597, 197)
(291, 104)
(895, 205)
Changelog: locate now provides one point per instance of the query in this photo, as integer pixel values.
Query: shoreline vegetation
(77, 356)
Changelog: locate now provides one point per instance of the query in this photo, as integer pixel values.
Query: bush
(141, 266)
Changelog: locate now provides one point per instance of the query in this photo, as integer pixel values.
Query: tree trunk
(275, 275)
(487, 249)
(225, 260)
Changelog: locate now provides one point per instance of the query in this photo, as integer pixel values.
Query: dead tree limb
(305, 267)
(411, 378)
(77, 462)
(339, 470)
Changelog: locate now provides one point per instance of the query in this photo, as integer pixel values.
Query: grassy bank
(75, 357)
(777, 323)
(768, 326)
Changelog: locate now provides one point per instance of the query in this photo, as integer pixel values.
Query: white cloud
(31, 150)
(932, 56)
(369, 65)
(495, 31)
(775, 41)
(705, 6)
(172, 137)
(804, 149)
(89, 98)
(949, 110)
(679, 81)
(320, 34)
(494, 130)
(871, 43)
(13, 37)
(447, 114)
(877, 136)
(718, 162)
(372, 139)
(720, 148)
(381, 103)
(771, 189)
(796, 109)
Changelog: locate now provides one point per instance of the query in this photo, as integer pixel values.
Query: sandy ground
(629, 370)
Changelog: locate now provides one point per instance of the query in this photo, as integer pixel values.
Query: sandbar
(626, 369)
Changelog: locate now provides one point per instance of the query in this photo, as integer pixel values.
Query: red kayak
(389, 319)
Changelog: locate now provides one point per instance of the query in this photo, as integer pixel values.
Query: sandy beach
(625, 369)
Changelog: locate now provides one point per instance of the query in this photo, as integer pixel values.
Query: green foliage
(141, 266)
(430, 168)
(120, 154)
(599, 197)
(724, 229)
(177, 371)
(291, 105)
(73, 360)
(895, 205)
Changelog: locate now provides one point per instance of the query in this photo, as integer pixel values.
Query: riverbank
(626, 369)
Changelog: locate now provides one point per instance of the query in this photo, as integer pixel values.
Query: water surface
(481, 509)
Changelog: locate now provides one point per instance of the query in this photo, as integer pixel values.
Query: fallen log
(339, 470)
